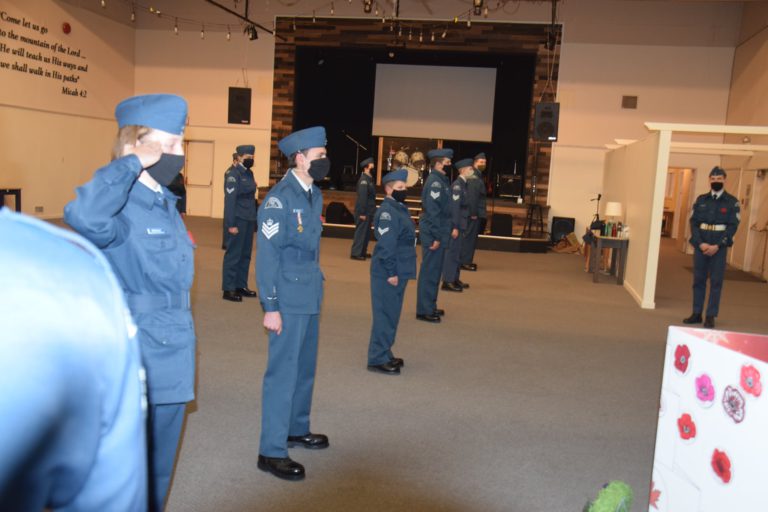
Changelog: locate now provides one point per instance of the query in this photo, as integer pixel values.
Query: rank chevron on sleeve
(270, 228)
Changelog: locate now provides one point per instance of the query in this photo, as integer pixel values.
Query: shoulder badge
(273, 202)
(436, 184)
(385, 216)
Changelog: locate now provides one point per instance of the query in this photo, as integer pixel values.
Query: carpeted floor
(538, 388)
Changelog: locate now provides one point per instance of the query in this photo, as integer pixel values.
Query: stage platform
(536, 244)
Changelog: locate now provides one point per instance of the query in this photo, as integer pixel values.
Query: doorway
(198, 177)
(678, 200)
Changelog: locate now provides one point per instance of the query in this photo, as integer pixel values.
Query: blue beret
(166, 112)
(246, 150)
(440, 153)
(396, 175)
(717, 171)
(464, 162)
(303, 139)
(479, 156)
(365, 162)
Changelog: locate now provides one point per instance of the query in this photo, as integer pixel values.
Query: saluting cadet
(365, 207)
(434, 232)
(714, 221)
(392, 265)
(459, 216)
(72, 434)
(128, 212)
(239, 220)
(476, 206)
(291, 291)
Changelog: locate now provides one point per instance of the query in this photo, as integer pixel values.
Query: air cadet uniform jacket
(435, 219)
(366, 196)
(239, 200)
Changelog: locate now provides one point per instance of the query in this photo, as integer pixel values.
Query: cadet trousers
(387, 304)
(362, 236)
(451, 259)
(164, 432)
(429, 280)
(237, 259)
(469, 243)
(286, 396)
(712, 268)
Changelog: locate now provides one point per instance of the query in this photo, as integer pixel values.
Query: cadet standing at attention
(365, 207)
(73, 408)
(714, 221)
(476, 205)
(459, 216)
(392, 265)
(240, 221)
(225, 233)
(291, 291)
(128, 212)
(434, 232)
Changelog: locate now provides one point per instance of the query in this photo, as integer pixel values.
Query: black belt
(149, 302)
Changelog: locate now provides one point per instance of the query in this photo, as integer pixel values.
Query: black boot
(695, 318)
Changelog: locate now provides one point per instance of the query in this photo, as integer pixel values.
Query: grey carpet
(537, 388)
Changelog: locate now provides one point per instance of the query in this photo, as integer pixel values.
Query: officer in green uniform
(239, 220)
(291, 292)
(365, 207)
(714, 221)
(476, 205)
(392, 265)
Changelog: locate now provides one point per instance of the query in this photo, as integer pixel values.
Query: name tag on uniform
(155, 231)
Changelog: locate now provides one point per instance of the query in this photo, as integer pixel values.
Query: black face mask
(319, 168)
(248, 163)
(447, 168)
(717, 186)
(399, 195)
(480, 168)
(166, 168)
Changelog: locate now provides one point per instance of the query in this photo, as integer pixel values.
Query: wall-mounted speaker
(545, 122)
(561, 227)
(239, 110)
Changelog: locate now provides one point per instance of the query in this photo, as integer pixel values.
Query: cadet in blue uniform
(714, 221)
(476, 206)
(240, 221)
(128, 212)
(459, 217)
(72, 401)
(225, 233)
(434, 232)
(291, 291)
(393, 264)
(365, 207)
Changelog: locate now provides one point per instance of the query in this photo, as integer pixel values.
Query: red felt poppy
(653, 500)
(722, 465)
(682, 356)
(686, 426)
(723, 210)
(750, 380)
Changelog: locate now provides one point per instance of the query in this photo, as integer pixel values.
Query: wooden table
(618, 247)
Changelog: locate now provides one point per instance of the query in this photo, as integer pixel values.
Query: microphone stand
(357, 149)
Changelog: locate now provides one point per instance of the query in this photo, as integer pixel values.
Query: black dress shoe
(709, 322)
(469, 266)
(367, 255)
(462, 284)
(358, 258)
(451, 287)
(428, 318)
(386, 368)
(396, 361)
(438, 312)
(232, 295)
(695, 318)
(245, 292)
(311, 441)
(284, 468)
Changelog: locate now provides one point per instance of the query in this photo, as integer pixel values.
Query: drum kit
(415, 164)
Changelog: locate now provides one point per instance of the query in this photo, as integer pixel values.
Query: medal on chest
(300, 227)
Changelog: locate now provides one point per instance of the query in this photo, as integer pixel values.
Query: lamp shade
(613, 209)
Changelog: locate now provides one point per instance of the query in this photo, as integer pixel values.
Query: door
(739, 256)
(686, 203)
(198, 177)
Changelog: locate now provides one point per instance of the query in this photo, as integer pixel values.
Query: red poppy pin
(722, 465)
(723, 210)
(750, 380)
(686, 426)
(682, 357)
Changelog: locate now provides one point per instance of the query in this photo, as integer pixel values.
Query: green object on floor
(614, 497)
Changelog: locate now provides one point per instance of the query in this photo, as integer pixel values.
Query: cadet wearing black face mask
(714, 220)
(291, 292)
(239, 221)
(127, 211)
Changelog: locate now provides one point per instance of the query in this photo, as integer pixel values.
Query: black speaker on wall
(561, 227)
(239, 105)
(545, 121)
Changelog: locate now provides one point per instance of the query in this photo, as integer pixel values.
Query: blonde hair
(128, 136)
